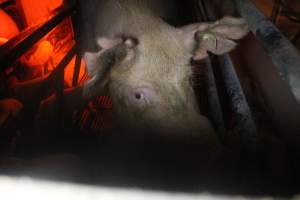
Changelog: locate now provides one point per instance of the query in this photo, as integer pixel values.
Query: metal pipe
(284, 55)
(215, 109)
(58, 75)
(275, 10)
(245, 125)
(214, 102)
(76, 69)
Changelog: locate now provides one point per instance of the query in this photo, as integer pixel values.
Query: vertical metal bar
(214, 102)
(276, 10)
(243, 118)
(284, 55)
(296, 37)
(76, 33)
(76, 69)
(60, 101)
(59, 75)
(244, 122)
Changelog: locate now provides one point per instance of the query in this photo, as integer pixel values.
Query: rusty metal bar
(13, 49)
(284, 55)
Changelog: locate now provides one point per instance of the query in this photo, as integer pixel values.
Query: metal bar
(12, 50)
(284, 55)
(58, 75)
(215, 109)
(60, 101)
(76, 69)
(61, 66)
(245, 125)
(76, 33)
(296, 37)
(275, 11)
(214, 102)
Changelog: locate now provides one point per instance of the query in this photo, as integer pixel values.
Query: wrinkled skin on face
(144, 65)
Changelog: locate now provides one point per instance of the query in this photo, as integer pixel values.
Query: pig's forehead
(164, 69)
(163, 56)
(163, 48)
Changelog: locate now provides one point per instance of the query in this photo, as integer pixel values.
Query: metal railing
(284, 55)
(16, 47)
(241, 114)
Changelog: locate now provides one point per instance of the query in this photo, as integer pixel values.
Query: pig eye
(138, 96)
(141, 97)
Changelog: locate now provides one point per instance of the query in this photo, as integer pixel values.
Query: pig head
(143, 63)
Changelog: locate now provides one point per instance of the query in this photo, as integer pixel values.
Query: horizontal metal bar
(244, 122)
(15, 48)
(284, 55)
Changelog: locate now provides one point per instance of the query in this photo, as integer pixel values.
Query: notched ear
(217, 37)
(92, 58)
(214, 43)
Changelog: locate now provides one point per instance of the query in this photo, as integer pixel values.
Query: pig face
(148, 78)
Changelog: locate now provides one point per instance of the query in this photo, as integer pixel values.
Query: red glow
(37, 10)
(3, 40)
(45, 55)
(69, 71)
(41, 55)
(8, 28)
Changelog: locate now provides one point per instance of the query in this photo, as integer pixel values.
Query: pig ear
(99, 64)
(217, 38)
(111, 51)
(92, 58)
